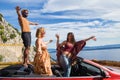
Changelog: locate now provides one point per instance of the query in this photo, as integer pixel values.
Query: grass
(10, 63)
(1, 57)
(6, 64)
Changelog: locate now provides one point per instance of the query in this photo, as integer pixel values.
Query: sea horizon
(107, 52)
(112, 46)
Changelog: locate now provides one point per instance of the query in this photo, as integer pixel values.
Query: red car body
(91, 70)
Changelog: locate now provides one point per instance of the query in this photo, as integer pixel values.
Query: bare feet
(29, 63)
(25, 65)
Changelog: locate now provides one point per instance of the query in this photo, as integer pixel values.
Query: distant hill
(113, 46)
(8, 34)
(86, 48)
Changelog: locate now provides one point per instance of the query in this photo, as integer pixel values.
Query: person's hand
(93, 38)
(18, 8)
(57, 36)
(36, 23)
(50, 41)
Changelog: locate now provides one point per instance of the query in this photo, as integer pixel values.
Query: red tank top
(68, 47)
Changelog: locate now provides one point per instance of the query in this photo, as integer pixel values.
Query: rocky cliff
(10, 42)
(8, 34)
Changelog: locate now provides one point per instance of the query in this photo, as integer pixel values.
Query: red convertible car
(82, 69)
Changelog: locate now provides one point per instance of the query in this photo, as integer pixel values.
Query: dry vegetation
(108, 63)
(102, 62)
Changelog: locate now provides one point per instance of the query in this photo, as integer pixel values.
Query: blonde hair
(40, 31)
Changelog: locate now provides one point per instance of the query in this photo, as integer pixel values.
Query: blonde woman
(42, 63)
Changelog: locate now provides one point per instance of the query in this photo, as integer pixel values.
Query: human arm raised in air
(48, 42)
(18, 10)
(58, 43)
(92, 37)
(57, 36)
(33, 23)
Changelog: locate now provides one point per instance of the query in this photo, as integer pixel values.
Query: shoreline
(108, 62)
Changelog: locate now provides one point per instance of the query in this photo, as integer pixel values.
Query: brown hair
(40, 31)
(73, 39)
(23, 11)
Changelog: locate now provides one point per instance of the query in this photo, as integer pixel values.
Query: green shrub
(1, 27)
(1, 32)
(17, 31)
(1, 58)
(34, 48)
(12, 36)
(9, 24)
(1, 17)
(4, 38)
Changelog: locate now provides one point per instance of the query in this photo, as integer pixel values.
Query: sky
(85, 18)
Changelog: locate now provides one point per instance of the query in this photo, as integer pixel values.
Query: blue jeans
(66, 64)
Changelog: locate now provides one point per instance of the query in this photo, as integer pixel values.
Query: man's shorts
(26, 37)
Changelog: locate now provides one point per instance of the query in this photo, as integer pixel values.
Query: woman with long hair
(67, 51)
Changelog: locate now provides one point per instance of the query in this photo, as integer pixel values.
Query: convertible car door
(81, 78)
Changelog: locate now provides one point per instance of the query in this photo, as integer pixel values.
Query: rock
(11, 43)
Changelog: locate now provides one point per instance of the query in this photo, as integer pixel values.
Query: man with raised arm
(26, 32)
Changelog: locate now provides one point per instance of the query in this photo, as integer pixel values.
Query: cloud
(85, 18)
(8, 13)
(84, 8)
(59, 5)
(105, 35)
(73, 9)
(24, 1)
(113, 15)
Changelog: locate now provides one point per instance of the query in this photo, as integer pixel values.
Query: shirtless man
(26, 32)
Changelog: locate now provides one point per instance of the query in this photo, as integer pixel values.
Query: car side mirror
(105, 74)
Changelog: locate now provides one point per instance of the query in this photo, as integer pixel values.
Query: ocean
(106, 54)
(109, 52)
